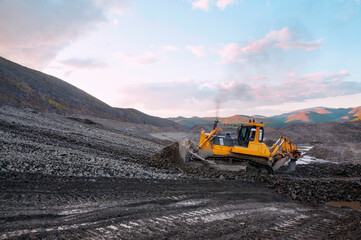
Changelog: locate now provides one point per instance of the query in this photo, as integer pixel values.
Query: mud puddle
(306, 159)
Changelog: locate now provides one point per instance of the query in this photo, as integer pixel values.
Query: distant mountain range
(24, 87)
(310, 115)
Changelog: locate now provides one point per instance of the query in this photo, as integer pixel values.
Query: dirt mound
(318, 190)
(343, 152)
(320, 182)
(168, 158)
(324, 170)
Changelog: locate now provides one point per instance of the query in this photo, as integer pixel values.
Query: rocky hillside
(23, 87)
(190, 122)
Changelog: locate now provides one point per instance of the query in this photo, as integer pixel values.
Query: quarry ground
(71, 178)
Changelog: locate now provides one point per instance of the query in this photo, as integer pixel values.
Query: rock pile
(324, 170)
(317, 190)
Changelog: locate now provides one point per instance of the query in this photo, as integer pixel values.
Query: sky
(193, 57)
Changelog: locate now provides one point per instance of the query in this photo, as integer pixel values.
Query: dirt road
(35, 206)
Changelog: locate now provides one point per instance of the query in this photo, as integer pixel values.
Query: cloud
(292, 75)
(257, 78)
(118, 7)
(115, 21)
(203, 98)
(230, 52)
(300, 44)
(163, 95)
(83, 63)
(205, 4)
(146, 58)
(198, 50)
(283, 38)
(170, 48)
(33, 32)
(222, 4)
(201, 4)
(310, 86)
(188, 95)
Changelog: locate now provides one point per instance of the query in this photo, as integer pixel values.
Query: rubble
(168, 158)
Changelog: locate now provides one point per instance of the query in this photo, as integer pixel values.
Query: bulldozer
(247, 149)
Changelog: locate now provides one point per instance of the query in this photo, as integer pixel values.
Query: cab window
(252, 134)
(260, 138)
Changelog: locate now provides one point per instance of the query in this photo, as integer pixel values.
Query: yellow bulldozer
(247, 150)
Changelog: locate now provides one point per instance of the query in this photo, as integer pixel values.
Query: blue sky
(189, 57)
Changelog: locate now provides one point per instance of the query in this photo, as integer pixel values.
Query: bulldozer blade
(291, 166)
(280, 163)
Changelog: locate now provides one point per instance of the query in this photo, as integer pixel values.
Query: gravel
(50, 144)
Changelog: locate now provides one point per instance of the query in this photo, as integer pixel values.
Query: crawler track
(254, 164)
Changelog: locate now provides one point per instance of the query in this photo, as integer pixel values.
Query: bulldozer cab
(248, 133)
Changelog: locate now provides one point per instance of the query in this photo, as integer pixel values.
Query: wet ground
(35, 206)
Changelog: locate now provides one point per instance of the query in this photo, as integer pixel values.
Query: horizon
(257, 115)
(193, 58)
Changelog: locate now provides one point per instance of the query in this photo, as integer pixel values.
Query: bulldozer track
(256, 162)
(117, 208)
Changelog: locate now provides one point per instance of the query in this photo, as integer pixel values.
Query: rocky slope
(33, 142)
(24, 87)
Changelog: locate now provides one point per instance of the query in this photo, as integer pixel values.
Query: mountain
(190, 122)
(23, 87)
(319, 115)
(310, 115)
(356, 119)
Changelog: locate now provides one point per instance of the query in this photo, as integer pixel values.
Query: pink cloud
(257, 78)
(322, 76)
(34, 32)
(222, 4)
(198, 50)
(314, 76)
(115, 21)
(230, 52)
(343, 73)
(144, 59)
(310, 86)
(201, 4)
(228, 85)
(234, 52)
(300, 44)
(281, 36)
(292, 75)
(170, 48)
